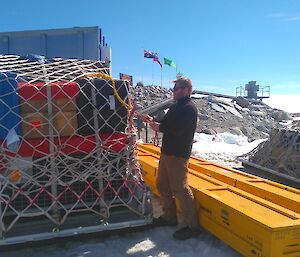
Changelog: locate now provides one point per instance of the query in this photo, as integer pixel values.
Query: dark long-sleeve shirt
(178, 128)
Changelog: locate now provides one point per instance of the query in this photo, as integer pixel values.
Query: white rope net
(67, 144)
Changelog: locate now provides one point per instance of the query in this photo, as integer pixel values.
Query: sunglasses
(176, 88)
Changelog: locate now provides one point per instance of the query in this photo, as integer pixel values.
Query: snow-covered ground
(222, 148)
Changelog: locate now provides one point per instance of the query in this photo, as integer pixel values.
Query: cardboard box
(36, 125)
(65, 123)
(41, 105)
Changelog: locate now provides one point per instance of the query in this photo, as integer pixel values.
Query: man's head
(182, 87)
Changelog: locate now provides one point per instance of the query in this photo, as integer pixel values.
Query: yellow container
(149, 168)
(256, 217)
(248, 224)
(274, 192)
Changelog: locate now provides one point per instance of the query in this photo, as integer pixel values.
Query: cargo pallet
(255, 216)
(67, 152)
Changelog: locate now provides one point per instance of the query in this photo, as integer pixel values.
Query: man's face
(179, 91)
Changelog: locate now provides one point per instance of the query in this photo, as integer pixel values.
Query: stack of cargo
(66, 150)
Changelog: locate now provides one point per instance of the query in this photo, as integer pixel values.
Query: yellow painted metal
(248, 224)
(149, 168)
(274, 192)
(254, 216)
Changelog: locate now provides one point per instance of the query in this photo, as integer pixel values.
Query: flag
(169, 63)
(148, 54)
(153, 55)
(155, 59)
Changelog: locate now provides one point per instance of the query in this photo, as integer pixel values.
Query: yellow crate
(248, 224)
(274, 192)
(256, 217)
(149, 168)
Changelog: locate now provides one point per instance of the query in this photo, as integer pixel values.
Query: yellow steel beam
(254, 216)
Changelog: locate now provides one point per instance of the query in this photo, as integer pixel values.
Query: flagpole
(169, 77)
(143, 60)
(152, 73)
(161, 76)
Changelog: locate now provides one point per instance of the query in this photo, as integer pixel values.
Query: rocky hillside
(147, 95)
(238, 116)
(254, 120)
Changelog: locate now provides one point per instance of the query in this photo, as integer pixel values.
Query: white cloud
(295, 18)
(288, 103)
(283, 16)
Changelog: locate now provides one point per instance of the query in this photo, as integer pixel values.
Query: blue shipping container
(9, 105)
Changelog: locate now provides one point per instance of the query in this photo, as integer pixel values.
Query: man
(178, 128)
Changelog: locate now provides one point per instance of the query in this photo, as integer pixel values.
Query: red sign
(127, 78)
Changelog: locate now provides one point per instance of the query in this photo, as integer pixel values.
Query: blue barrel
(9, 105)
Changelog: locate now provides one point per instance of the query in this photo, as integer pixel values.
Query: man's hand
(154, 126)
(145, 118)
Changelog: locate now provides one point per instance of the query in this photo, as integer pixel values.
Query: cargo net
(67, 143)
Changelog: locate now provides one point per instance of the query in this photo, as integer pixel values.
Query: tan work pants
(172, 182)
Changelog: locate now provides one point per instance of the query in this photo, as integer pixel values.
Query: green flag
(169, 62)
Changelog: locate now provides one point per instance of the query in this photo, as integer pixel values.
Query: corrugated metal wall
(79, 43)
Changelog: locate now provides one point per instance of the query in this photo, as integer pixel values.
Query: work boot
(162, 222)
(186, 233)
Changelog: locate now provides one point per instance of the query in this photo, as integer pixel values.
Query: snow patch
(198, 96)
(142, 246)
(222, 148)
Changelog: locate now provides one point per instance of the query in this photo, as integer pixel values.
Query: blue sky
(219, 44)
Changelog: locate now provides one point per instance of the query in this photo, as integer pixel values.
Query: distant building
(253, 91)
